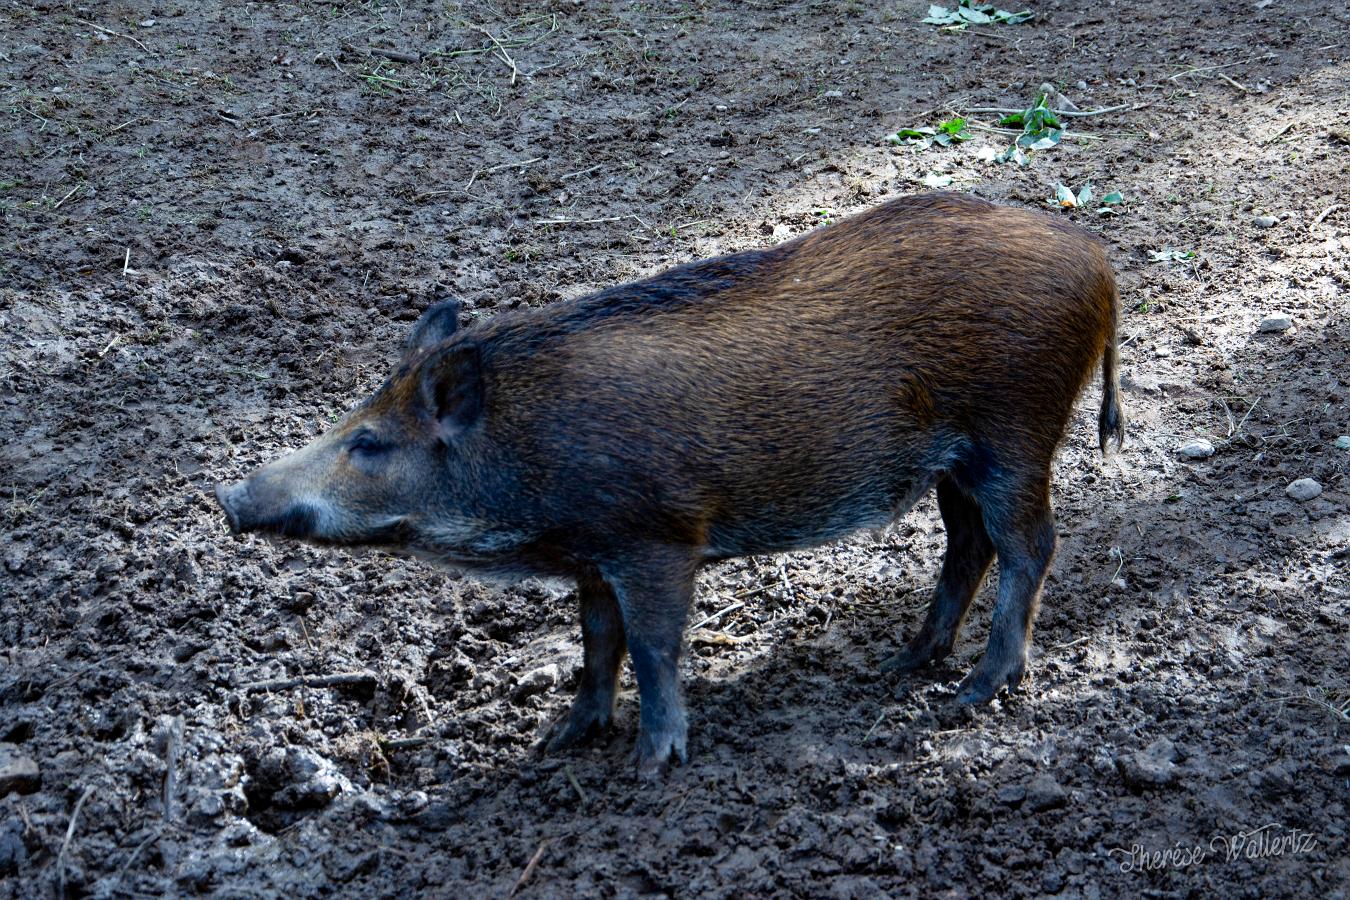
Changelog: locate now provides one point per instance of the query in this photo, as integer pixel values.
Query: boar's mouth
(298, 520)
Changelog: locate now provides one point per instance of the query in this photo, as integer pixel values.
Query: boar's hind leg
(1022, 527)
(654, 590)
(603, 643)
(969, 552)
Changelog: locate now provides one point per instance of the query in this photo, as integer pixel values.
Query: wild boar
(754, 403)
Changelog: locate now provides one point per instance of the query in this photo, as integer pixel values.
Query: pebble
(781, 232)
(1082, 85)
(1343, 442)
(1266, 221)
(1276, 322)
(535, 682)
(1151, 768)
(1045, 792)
(313, 780)
(721, 107)
(1197, 448)
(18, 773)
(1304, 489)
(833, 94)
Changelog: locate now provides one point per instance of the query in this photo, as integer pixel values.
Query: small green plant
(826, 214)
(1169, 254)
(1041, 130)
(968, 12)
(1066, 198)
(948, 132)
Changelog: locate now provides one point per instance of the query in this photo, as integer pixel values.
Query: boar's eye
(365, 443)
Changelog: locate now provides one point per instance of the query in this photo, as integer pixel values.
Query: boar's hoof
(583, 722)
(657, 753)
(915, 656)
(985, 681)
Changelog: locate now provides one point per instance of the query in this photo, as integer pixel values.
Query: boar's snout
(246, 511)
(225, 496)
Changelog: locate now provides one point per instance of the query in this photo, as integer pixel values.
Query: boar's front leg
(603, 642)
(654, 588)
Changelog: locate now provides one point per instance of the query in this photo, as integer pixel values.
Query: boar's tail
(1111, 421)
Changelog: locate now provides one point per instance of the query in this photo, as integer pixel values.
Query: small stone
(1304, 489)
(833, 94)
(1012, 795)
(535, 682)
(1197, 448)
(1266, 221)
(1081, 85)
(1045, 792)
(1343, 442)
(1276, 322)
(721, 107)
(1153, 767)
(18, 773)
(781, 232)
(314, 780)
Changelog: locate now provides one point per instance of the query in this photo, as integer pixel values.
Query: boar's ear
(436, 325)
(450, 385)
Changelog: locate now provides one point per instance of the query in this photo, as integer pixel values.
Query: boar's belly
(783, 523)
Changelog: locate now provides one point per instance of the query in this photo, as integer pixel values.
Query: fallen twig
(407, 743)
(581, 172)
(65, 198)
(339, 679)
(591, 221)
(576, 785)
(175, 736)
(396, 55)
(1066, 113)
(506, 57)
(529, 868)
(874, 727)
(125, 37)
(717, 615)
(1232, 82)
(1323, 214)
(65, 844)
(512, 165)
(122, 872)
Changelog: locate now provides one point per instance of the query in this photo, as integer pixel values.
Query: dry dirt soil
(217, 222)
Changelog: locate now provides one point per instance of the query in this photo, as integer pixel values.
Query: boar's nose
(226, 495)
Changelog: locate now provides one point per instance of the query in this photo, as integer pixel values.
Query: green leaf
(1013, 120)
(1065, 197)
(952, 126)
(1113, 198)
(935, 180)
(1043, 141)
(1085, 195)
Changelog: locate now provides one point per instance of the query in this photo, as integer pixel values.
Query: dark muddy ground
(217, 222)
